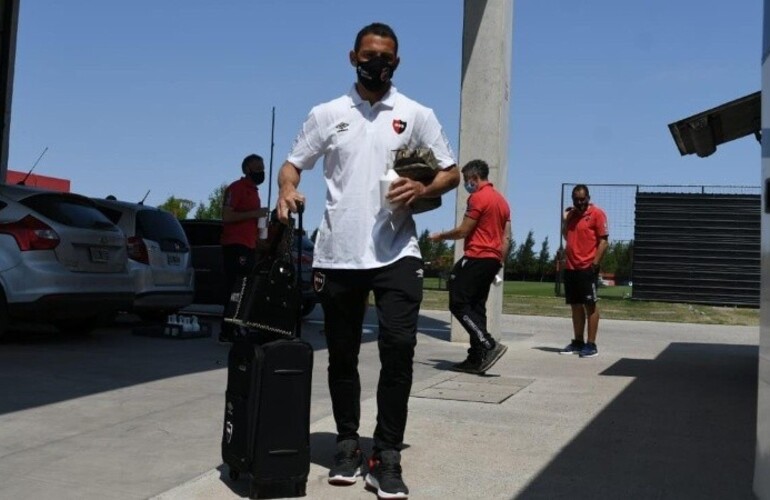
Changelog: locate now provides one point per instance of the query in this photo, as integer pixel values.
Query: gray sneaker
(490, 356)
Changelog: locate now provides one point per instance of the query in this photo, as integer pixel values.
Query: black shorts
(580, 286)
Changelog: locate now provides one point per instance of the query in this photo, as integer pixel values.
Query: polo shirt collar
(388, 100)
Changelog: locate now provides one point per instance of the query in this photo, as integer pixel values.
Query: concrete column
(484, 109)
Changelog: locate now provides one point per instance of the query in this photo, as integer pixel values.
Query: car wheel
(307, 307)
(3, 318)
(80, 327)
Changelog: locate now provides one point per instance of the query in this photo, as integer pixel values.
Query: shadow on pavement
(40, 366)
(684, 428)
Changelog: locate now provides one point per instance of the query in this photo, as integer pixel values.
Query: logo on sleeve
(399, 126)
(342, 127)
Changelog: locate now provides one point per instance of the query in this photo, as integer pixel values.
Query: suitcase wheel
(234, 474)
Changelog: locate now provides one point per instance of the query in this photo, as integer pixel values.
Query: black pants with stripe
(397, 294)
(469, 285)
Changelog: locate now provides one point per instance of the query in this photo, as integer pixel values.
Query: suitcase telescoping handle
(300, 210)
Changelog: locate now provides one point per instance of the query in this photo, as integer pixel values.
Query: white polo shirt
(358, 143)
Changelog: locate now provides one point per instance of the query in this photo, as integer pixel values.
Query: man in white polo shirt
(363, 246)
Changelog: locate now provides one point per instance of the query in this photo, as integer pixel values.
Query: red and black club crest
(319, 280)
(399, 126)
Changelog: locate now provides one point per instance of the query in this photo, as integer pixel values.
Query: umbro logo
(420, 273)
(342, 127)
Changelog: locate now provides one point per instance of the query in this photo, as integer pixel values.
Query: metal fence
(692, 243)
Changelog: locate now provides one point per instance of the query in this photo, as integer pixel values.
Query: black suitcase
(267, 415)
(266, 431)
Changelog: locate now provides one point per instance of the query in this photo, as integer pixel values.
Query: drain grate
(472, 388)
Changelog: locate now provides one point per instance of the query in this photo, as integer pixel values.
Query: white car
(62, 261)
(160, 261)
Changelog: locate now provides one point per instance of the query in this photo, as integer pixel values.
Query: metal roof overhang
(703, 132)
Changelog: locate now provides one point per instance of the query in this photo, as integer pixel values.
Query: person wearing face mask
(364, 247)
(241, 208)
(585, 230)
(486, 231)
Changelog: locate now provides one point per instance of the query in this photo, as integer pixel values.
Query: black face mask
(257, 177)
(375, 74)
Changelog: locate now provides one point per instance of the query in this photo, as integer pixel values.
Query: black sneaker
(384, 475)
(470, 365)
(573, 347)
(490, 356)
(347, 463)
(589, 350)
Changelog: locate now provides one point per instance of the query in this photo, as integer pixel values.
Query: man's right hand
(288, 196)
(567, 212)
(287, 203)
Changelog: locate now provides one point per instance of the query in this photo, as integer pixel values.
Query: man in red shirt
(241, 208)
(584, 227)
(486, 229)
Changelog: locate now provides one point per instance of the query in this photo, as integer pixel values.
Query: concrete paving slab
(665, 411)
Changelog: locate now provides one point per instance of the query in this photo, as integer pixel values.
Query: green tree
(544, 259)
(618, 260)
(510, 260)
(525, 262)
(212, 209)
(177, 206)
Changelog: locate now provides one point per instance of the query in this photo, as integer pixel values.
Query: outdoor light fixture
(702, 133)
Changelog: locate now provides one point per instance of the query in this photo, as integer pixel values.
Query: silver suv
(61, 260)
(159, 257)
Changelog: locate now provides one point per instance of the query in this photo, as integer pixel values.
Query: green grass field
(538, 299)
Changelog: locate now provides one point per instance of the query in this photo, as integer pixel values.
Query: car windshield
(69, 210)
(160, 226)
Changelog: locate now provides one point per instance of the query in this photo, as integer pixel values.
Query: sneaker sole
(495, 359)
(372, 484)
(339, 480)
(569, 352)
(589, 355)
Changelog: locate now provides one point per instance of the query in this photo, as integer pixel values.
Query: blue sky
(170, 95)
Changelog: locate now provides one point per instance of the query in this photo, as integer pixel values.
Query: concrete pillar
(484, 109)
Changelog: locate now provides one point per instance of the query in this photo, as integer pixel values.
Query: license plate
(99, 254)
(174, 260)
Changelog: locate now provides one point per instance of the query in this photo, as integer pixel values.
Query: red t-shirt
(583, 235)
(241, 196)
(491, 213)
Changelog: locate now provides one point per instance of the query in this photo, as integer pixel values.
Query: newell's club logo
(399, 126)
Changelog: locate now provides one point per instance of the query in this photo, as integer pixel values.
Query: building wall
(40, 181)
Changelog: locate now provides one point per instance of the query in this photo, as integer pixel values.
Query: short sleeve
(308, 146)
(602, 227)
(432, 135)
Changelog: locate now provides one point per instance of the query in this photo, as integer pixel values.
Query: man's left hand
(405, 190)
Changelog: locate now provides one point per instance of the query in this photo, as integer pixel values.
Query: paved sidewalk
(665, 411)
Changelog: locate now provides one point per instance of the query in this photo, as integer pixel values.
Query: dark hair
(379, 29)
(250, 159)
(580, 187)
(477, 167)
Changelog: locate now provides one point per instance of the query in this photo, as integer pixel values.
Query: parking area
(666, 411)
